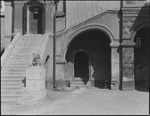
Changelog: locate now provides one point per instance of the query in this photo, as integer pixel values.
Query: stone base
(128, 85)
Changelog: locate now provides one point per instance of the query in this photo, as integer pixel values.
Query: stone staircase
(13, 71)
(77, 82)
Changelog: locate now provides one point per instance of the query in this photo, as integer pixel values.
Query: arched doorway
(81, 66)
(92, 48)
(141, 59)
(33, 18)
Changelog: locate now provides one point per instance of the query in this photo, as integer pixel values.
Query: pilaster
(18, 16)
(115, 81)
(8, 22)
(128, 81)
(49, 16)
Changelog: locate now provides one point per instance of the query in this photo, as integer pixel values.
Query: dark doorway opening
(35, 20)
(81, 66)
(141, 59)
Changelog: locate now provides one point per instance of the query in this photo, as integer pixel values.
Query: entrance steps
(77, 82)
(13, 72)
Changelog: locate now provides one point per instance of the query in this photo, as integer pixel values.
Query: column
(128, 82)
(18, 16)
(115, 71)
(8, 23)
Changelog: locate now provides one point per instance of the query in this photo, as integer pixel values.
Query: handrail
(9, 49)
(43, 51)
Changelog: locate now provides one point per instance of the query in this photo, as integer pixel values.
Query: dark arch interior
(96, 44)
(142, 57)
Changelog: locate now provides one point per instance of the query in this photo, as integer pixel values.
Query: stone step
(4, 71)
(26, 47)
(10, 95)
(72, 84)
(35, 41)
(21, 55)
(22, 51)
(11, 90)
(13, 69)
(12, 85)
(20, 58)
(13, 73)
(15, 82)
(16, 65)
(11, 101)
(11, 77)
(38, 40)
(18, 62)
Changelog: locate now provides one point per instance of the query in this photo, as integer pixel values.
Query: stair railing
(9, 49)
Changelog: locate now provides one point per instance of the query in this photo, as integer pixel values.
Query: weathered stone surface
(35, 82)
(128, 68)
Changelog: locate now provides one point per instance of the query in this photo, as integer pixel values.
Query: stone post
(115, 81)
(8, 23)
(35, 82)
(128, 82)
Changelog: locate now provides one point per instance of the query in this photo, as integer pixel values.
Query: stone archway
(141, 58)
(97, 45)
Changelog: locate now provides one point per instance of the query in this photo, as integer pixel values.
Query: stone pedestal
(35, 82)
(128, 82)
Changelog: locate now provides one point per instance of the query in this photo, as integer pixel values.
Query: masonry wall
(79, 11)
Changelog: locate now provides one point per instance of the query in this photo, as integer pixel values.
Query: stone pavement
(85, 101)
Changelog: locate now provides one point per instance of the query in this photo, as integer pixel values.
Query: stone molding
(114, 44)
(128, 43)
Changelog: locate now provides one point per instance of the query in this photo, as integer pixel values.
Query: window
(138, 42)
(36, 13)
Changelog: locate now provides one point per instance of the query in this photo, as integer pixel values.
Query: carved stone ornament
(36, 59)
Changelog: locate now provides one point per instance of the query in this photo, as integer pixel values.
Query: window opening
(138, 42)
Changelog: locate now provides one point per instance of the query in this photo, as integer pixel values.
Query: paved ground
(86, 101)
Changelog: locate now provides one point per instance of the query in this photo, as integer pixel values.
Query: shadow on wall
(141, 51)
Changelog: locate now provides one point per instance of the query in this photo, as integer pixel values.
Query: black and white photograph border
(71, 57)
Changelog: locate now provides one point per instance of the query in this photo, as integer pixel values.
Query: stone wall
(79, 11)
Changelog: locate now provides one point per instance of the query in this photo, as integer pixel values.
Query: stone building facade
(104, 44)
